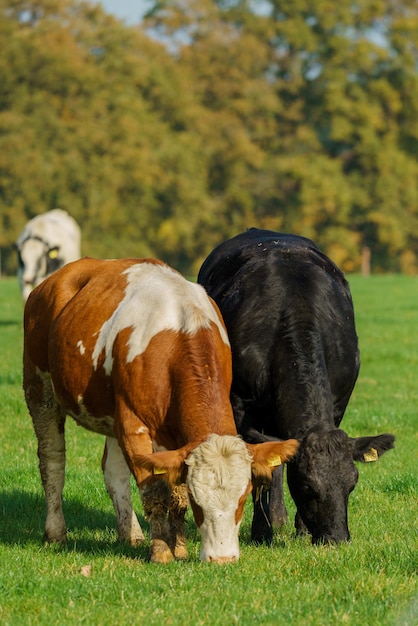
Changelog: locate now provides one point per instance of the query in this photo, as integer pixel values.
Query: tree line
(165, 138)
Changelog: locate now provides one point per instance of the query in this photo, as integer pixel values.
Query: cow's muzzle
(222, 560)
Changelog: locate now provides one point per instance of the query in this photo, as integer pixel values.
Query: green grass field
(94, 580)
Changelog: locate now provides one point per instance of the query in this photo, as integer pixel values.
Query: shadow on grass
(22, 518)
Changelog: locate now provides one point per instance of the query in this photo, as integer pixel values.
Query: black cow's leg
(261, 529)
(278, 512)
(301, 528)
(269, 507)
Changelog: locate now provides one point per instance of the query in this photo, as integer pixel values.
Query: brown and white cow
(132, 350)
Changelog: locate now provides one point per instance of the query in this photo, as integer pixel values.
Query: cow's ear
(269, 455)
(53, 252)
(169, 463)
(367, 449)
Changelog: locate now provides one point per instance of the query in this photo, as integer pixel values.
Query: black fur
(290, 319)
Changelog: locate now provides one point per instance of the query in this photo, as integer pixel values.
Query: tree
(214, 116)
(339, 120)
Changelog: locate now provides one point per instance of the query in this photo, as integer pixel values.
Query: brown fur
(173, 393)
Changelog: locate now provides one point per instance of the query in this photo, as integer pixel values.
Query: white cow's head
(219, 480)
(36, 261)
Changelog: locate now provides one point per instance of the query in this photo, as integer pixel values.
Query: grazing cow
(132, 350)
(295, 359)
(47, 242)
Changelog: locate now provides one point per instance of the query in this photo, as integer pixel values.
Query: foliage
(165, 138)
(96, 580)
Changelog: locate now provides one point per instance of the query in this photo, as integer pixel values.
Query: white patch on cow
(142, 430)
(156, 298)
(218, 476)
(81, 347)
(117, 479)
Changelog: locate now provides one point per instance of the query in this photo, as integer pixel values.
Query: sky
(130, 11)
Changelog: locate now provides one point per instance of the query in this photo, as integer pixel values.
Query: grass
(96, 581)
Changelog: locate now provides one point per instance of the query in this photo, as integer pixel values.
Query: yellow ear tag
(158, 470)
(274, 461)
(370, 455)
(53, 253)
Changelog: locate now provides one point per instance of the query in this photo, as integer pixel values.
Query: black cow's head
(322, 476)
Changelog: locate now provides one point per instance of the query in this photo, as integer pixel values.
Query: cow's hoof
(55, 537)
(260, 540)
(136, 541)
(261, 532)
(265, 538)
(160, 552)
(278, 521)
(180, 552)
(301, 528)
(133, 539)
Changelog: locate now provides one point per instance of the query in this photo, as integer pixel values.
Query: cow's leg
(134, 439)
(156, 499)
(49, 424)
(176, 513)
(117, 479)
(261, 529)
(301, 528)
(278, 512)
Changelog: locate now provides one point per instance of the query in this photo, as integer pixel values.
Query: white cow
(47, 242)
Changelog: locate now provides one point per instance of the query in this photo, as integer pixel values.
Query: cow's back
(60, 300)
(247, 253)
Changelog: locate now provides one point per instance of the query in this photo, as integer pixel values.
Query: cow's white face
(32, 265)
(219, 481)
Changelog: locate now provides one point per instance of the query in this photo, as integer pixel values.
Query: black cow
(290, 319)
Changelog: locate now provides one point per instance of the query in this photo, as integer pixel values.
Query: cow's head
(219, 481)
(322, 476)
(37, 259)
